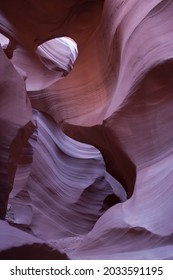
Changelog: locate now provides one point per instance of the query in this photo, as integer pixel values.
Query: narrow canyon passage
(86, 139)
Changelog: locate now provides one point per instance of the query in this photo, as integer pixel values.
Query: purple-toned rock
(86, 128)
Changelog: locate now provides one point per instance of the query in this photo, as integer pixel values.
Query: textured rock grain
(86, 127)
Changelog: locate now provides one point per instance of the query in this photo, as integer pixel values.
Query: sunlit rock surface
(86, 137)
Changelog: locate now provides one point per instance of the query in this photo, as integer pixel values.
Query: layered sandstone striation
(86, 129)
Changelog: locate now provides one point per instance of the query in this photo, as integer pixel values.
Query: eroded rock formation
(86, 129)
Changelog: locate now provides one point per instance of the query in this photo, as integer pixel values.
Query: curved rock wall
(86, 127)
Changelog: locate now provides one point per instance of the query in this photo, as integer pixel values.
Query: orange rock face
(86, 128)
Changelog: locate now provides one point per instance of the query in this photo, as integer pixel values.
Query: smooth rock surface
(86, 128)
